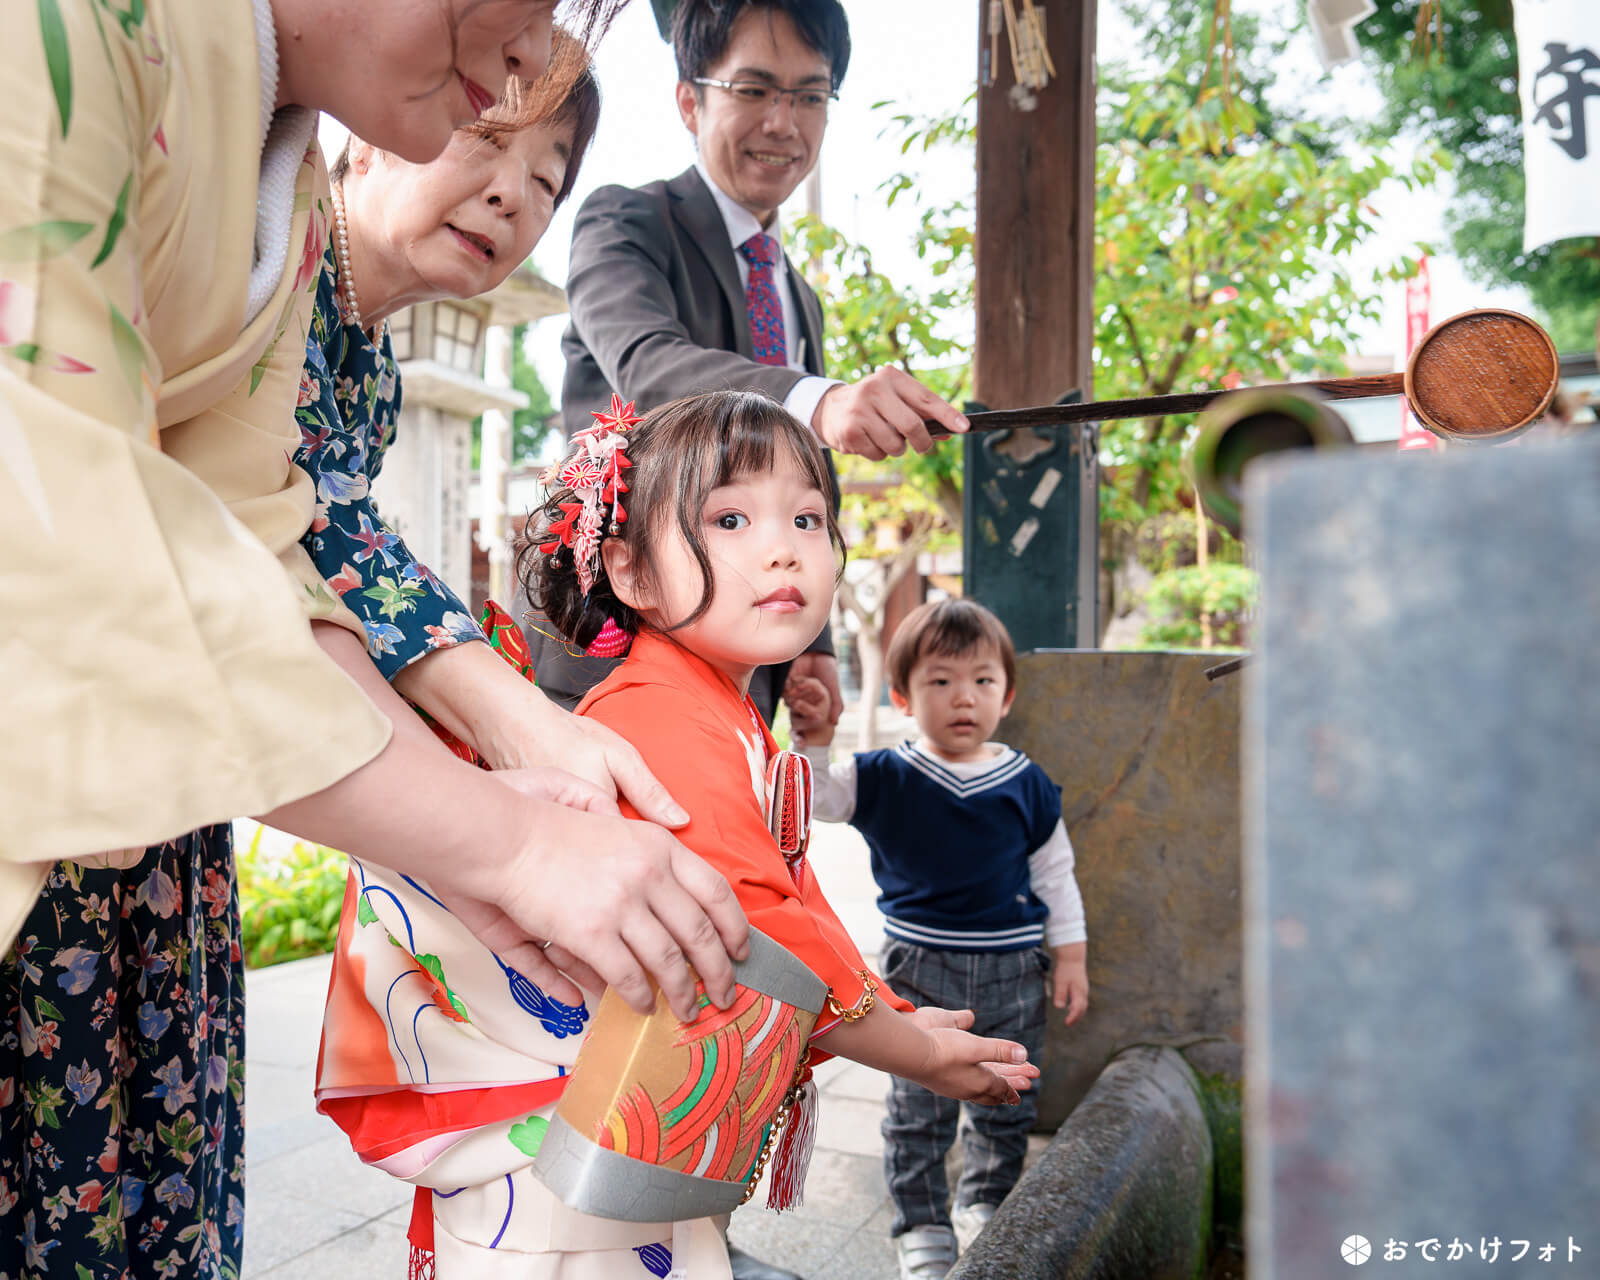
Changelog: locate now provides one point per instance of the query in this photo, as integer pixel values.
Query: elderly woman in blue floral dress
(405, 234)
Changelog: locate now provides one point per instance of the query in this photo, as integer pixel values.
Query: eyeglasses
(758, 95)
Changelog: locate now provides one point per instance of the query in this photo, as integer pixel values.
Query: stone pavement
(313, 1210)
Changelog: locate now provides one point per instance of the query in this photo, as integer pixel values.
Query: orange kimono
(442, 1066)
(709, 747)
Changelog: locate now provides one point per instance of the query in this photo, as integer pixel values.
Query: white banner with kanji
(1558, 77)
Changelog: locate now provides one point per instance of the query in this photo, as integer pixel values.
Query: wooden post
(1035, 235)
(1031, 545)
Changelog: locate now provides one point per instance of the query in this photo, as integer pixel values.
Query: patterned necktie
(761, 300)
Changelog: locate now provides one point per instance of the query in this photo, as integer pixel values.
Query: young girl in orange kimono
(703, 535)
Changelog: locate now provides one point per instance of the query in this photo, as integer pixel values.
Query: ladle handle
(1376, 384)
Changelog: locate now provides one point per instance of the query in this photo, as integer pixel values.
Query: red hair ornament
(594, 476)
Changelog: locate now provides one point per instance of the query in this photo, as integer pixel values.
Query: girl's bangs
(750, 447)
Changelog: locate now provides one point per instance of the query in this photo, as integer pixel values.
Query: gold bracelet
(863, 1006)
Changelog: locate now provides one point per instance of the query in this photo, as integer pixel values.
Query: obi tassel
(790, 1163)
(420, 1236)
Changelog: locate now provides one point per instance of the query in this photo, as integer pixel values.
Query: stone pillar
(422, 491)
(1146, 751)
(494, 468)
(1423, 862)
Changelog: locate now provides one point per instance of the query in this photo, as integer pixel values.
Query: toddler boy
(974, 870)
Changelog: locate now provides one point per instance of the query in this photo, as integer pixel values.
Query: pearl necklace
(347, 277)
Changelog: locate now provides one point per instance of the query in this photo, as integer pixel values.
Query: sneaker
(969, 1220)
(926, 1253)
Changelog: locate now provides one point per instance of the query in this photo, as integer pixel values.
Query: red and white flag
(1413, 435)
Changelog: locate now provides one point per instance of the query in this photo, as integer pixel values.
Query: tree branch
(845, 593)
(1180, 352)
(1138, 347)
(948, 495)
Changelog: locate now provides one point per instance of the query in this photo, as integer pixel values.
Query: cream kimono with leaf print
(160, 672)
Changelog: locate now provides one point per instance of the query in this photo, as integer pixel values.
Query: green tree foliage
(1222, 226)
(874, 323)
(1242, 59)
(1220, 261)
(1178, 600)
(1222, 235)
(530, 427)
(1463, 97)
(895, 511)
(1220, 257)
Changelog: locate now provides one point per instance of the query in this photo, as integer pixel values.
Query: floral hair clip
(594, 475)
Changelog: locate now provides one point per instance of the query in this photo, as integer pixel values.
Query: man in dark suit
(664, 278)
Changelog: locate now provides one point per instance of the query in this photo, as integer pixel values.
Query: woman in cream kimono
(162, 218)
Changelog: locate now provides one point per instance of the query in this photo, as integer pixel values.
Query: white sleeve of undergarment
(1050, 874)
(833, 786)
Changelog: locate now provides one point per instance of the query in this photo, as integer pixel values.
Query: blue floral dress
(349, 409)
(122, 1071)
(122, 1002)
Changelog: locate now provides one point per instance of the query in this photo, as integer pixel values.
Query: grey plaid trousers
(1006, 992)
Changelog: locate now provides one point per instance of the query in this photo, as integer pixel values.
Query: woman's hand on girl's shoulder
(545, 736)
(513, 725)
(606, 902)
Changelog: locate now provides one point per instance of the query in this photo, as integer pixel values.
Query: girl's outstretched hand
(974, 1068)
(1018, 1076)
(930, 1016)
(932, 1047)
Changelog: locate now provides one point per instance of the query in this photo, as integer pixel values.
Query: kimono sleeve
(405, 610)
(713, 775)
(161, 674)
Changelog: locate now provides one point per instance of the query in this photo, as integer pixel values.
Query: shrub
(1177, 598)
(290, 905)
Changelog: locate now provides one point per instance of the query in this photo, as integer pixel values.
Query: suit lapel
(698, 215)
(810, 319)
(701, 220)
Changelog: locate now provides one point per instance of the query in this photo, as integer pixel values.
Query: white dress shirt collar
(741, 223)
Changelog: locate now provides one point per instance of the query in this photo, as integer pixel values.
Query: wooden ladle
(1482, 376)
(1479, 377)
